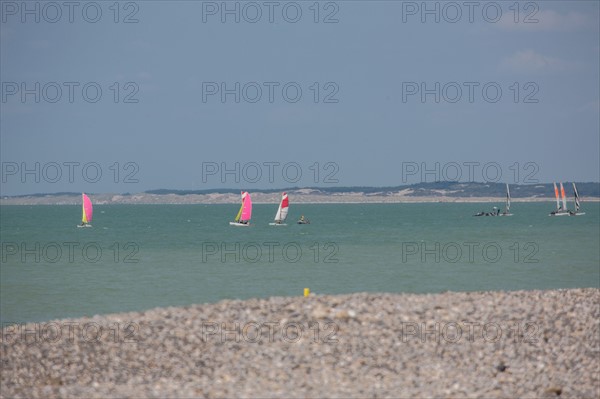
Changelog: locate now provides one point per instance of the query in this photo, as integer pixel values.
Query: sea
(138, 257)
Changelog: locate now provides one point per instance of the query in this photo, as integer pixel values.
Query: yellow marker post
(306, 292)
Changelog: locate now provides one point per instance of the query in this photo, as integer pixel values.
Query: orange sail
(564, 197)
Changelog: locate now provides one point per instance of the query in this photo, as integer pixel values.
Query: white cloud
(530, 61)
(546, 20)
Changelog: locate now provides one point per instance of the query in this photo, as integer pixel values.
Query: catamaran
(282, 211)
(577, 203)
(561, 210)
(87, 211)
(245, 213)
(507, 206)
(496, 210)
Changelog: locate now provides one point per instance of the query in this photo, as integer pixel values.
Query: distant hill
(436, 189)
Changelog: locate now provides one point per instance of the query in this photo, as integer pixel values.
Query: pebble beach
(472, 344)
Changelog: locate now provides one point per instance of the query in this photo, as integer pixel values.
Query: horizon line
(229, 190)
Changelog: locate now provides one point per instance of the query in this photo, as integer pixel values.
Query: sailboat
(245, 213)
(87, 211)
(496, 211)
(577, 203)
(560, 210)
(507, 206)
(282, 211)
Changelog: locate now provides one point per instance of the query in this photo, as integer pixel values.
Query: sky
(133, 96)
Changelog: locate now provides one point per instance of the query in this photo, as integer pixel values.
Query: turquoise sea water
(138, 257)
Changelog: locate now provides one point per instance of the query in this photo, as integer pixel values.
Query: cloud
(530, 61)
(546, 20)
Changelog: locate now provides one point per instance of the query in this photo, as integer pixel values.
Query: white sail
(507, 199)
(278, 214)
(282, 211)
(577, 203)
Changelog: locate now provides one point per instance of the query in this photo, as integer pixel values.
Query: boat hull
(559, 214)
(277, 224)
(239, 224)
(87, 225)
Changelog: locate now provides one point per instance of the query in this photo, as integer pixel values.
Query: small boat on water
(561, 210)
(87, 211)
(245, 213)
(282, 211)
(507, 205)
(496, 210)
(577, 203)
(303, 220)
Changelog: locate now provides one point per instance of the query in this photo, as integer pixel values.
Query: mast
(507, 199)
(246, 207)
(237, 218)
(83, 218)
(278, 214)
(283, 207)
(577, 204)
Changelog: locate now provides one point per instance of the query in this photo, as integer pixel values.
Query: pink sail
(88, 209)
(246, 206)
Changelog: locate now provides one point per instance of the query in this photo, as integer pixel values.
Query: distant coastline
(446, 192)
(257, 198)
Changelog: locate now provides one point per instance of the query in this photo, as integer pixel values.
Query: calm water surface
(138, 257)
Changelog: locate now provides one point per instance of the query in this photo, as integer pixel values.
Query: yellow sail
(237, 218)
(83, 217)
